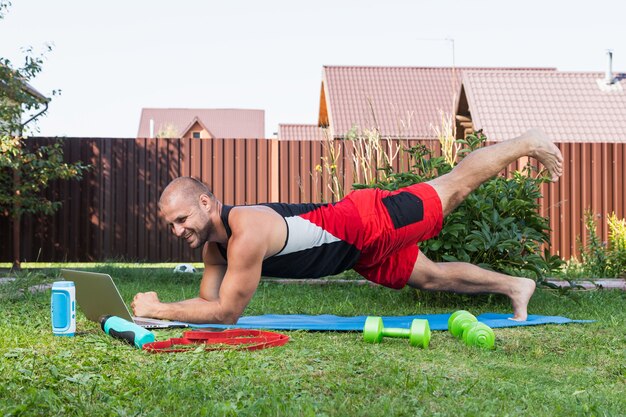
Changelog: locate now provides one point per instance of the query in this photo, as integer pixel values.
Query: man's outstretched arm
(239, 283)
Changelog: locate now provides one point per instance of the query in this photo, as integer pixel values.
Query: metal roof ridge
(550, 73)
(477, 68)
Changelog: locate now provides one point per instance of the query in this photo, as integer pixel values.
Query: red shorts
(393, 223)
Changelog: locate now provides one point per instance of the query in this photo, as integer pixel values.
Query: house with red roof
(401, 102)
(201, 123)
(407, 102)
(569, 107)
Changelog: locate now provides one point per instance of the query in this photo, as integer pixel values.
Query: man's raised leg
(453, 188)
(487, 162)
(461, 277)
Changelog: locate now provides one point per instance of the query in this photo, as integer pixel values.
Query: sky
(112, 58)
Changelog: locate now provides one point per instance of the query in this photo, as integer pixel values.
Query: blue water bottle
(63, 308)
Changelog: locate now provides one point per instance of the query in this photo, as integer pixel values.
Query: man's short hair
(187, 187)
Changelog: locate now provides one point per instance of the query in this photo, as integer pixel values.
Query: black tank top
(310, 250)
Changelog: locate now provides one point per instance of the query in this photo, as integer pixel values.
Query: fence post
(273, 170)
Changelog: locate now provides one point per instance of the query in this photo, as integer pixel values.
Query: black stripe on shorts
(404, 209)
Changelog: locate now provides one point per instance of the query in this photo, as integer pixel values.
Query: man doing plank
(373, 231)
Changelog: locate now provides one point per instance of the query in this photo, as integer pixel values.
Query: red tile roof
(220, 123)
(300, 132)
(401, 101)
(567, 106)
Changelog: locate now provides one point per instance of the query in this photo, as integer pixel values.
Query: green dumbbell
(465, 325)
(418, 334)
(459, 321)
(480, 335)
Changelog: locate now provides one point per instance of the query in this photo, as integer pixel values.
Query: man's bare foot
(520, 296)
(546, 152)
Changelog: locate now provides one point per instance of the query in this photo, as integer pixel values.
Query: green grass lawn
(553, 370)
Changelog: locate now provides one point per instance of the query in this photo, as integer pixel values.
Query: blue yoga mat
(342, 324)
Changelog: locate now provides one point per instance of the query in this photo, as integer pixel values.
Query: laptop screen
(97, 295)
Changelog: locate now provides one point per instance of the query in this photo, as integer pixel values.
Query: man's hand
(146, 304)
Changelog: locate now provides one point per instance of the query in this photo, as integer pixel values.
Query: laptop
(97, 296)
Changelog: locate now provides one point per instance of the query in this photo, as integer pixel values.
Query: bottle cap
(63, 284)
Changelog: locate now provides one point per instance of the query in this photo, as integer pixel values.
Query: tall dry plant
(446, 133)
(329, 164)
(372, 156)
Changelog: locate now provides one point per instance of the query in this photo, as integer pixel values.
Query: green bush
(604, 259)
(617, 245)
(497, 227)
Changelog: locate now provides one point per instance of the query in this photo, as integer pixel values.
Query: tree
(25, 169)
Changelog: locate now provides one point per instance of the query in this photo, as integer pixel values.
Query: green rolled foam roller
(461, 322)
(480, 335)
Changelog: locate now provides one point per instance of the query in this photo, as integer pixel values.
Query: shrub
(594, 259)
(497, 227)
(604, 259)
(617, 245)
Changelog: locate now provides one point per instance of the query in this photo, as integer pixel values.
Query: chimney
(151, 128)
(608, 79)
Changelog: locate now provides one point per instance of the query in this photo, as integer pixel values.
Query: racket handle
(125, 330)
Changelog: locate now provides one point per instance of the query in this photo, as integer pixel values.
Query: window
(196, 135)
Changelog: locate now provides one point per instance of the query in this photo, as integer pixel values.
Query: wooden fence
(112, 212)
